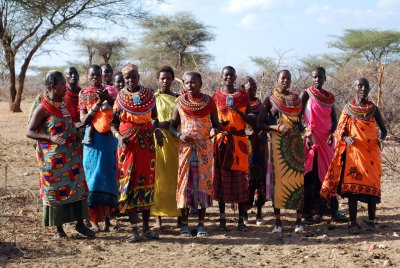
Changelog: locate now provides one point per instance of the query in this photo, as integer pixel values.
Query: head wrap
(129, 67)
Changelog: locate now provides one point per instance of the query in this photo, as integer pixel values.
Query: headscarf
(128, 68)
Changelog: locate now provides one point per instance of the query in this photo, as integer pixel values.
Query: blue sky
(265, 28)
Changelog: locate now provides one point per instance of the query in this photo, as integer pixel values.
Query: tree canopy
(177, 40)
(374, 45)
(377, 47)
(25, 26)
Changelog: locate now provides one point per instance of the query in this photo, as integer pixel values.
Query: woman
(356, 169)
(99, 160)
(197, 115)
(167, 156)
(285, 172)
(257, 165)
(320, 119)
(135, 121)
(231, 147)
(62, 182)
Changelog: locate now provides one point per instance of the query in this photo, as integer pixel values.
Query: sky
(286, 29)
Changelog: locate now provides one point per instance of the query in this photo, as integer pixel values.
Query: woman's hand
(330, 139)
(122, 141)
(159, 137)
(57, 139)
(349, 140)
(185, 137)
(102, 94)
(284, 129)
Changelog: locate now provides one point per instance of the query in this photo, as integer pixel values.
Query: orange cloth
(363, 166)
(239, 144)
(198, 128)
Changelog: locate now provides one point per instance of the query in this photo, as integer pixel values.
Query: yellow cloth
(288, 166)
(166, 162)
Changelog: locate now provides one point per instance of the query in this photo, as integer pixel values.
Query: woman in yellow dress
(166, 156)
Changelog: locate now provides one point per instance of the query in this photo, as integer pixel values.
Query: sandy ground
(23, 242)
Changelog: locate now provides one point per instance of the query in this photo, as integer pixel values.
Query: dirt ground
(23, 242)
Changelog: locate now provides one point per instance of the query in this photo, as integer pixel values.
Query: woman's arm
(87, 116)
(381, 124)
(247, 116)
(175, 122)
(156, 126)
(38, 118)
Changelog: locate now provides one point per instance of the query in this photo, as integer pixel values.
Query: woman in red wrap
(135, 121)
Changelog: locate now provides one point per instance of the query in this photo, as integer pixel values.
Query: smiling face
(94, 76)
(361, 88)
(71, 77)
(228, 77)
(318, 77)
(251, 88)
(284, 80)
(165, 81)
(131, 79)
(192, 85)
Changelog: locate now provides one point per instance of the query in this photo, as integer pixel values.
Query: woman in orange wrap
(135, 121)
(231, 147)
(197, 115)
(356, 170)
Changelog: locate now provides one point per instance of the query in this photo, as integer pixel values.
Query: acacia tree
(25, 26)
(377, 47)
(177, 40)
(105, 51)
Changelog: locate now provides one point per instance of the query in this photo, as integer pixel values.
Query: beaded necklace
(57, 108)
(364, 111)
(326, 100)
(289, 104)
(139, 102)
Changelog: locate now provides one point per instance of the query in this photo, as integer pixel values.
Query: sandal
(339, 217)
(149, 234)
(83, 230)
(242, 227)
(201, 231)
(222, 226)
(61, 235)
(370, 226)
(134, 237)
(354, 228)
(185, 232)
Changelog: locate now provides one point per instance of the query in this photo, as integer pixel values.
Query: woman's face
(251, 88)
(72, 76)
(284, 80)
(192, 85)
(107, 73)
(362, 89)
(119, 82)
(228, 77)
(318, 78)
(131, 79)
(94, 77)
(165, 81)
(60, 88)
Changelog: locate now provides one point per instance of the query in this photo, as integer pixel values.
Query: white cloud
(388, 4)
(237, 6)
(248, 21)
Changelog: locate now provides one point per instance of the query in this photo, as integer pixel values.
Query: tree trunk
(14, 100)
(381, 71)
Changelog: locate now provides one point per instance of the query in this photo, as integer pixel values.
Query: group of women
(122, 149)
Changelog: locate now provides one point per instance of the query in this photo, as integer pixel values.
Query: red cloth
(72, 102)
